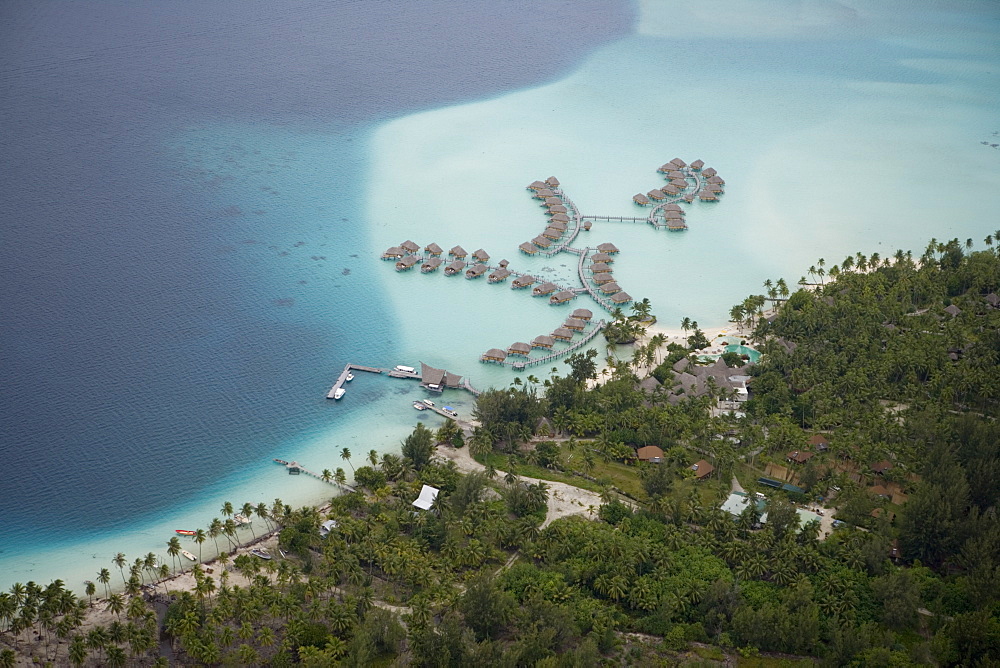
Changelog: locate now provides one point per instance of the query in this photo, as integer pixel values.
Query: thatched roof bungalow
(519, 348)
(560, 218)
(562, 334)
(543, 342)
(476, 270)
(714, 188)
(458, 252)
(544, 289)
(431, 264)
(670, 189)
(697, 164)
(709, 172)
(433, 249)
(494, 355)
(542, 193)
(522, 281)
(707, 196)
(552, 181)
(409, 246)
(528, 247)
(438, 379)
(574, 324)
(561, 297)
(535, 185)
(558, 225)
(678, 163)
(621, 298)
(716, 179)
(454, 268)
(599, 268)
(407, 262)
(552, 233)
(610, 288)
(680, 183)
(504, 263)
(656, 194)
(673, 214)
(689, 197)
(393, 253)
(676, 174)
(541, 242)
(587, 225)
(553, 201)
(673, 206)
(557, 208)
(649, 453)
(608, 248)
(640, 199)
(702, 469)
(481, 256)
(676, 224)
(499, 275)
(602, 278)
(582, 314)
(602, 257)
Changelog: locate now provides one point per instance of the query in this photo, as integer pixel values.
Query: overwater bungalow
(494, 355)
(709, 172)
(393, 253)
(559, 218)
(454, 268)
(552, 201)
(621, 298)
(541, 242)
(431, 264)
(676, 174)
(640, 199)
(656, 194)
(535, 185)
(714, 188)
(499, 275)
(433, 249)
(544, 289)
(503, 263)
(599, 268)
(543, 342)
(407, 262)
(602, 258)
(558, 225)
(476, 270)
(561, 297)
(587, 225)
(409, 246)
(673, 206)
(608, 248)
(519, 348)
(458, 252)
(678, 162)
(669, 214)
(697, 165)
(676, 224)
(582, 314)
(667, 167)
(528, 247)
(552, 233)
(522, 281)
(481, 256)
(670, 189)
(563, 334)
(707, 196)
(689, 197)
(552, 181)
(716, 179)
(601, 279)
(680, 183)
(542, 193)
(558, 208)
(574, 324)
(438, 379)
(610, 288)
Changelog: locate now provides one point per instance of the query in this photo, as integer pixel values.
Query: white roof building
(426, 498)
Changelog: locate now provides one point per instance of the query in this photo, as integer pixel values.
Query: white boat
(405, 369)
(419, 406)
(429, 402)
(240, 519)
(189, 555)
(350, 377)
(282, 553)
(339, 394)
(261, 553)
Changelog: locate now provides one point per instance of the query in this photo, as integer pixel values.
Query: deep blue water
(154, 337)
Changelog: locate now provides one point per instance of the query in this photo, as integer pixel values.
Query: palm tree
(104, 577)
(345, 454)
(326, 475)
(340, 476)
(116, 603)
(686, 324)
(174, 550)
(90, 589)
(373, 456)
(119, 561)
(247, 511)
(262, 513)
(199, 537)
(227, 509)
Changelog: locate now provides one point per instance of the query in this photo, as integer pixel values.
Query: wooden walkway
(577, 225)
(599, 327)
(343, 376)
(605, 303)
(293, 466)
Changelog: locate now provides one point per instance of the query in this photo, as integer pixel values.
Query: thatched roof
(430, 264)
(407, 262)
(673, 206)
(504, 263)
(481, 255)
(495, 354)
(673, 214)
(649, 453)
(608, 248)
(552, 181)
(602, 278)
(457, 251)
(433, 249)
(560, 218)
(676, 224)
(519, 348)
(552, 233)
(542, 193)
(562, 296)
(709, 172)
(667, 167)
(680, 183)
(582, 314)
(553, 201)
(558, 225)
(610, 288)
(649, 384)
(431, 376)
(541, 242)
(707, 196)
(621, 298)
(409, 246)
(528, 247)
(523, 281)
(656, 194)
(393, 252)
(535, 185)
(476, 270)
(952, 310)
(587, 225)
(671, 189)
(702, 469)
(714, 188)
(599, 268)
(557, 208)
(697, 164)
(676, 174)
(640, 199)
(602, 257)
(454, 267)
(678, 162)
(574, 323)
(716, 179)
(545, 288)
(499, 275)
(543, 342)
(563, 334)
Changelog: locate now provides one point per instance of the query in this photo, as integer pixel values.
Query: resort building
(602, 278)
(678, 163)
(561, 297)
(427, 497)
(640, 199)
(558, 225)
(656, 194)
(409, 246)
(680, 183)
(454, 268)
(481, 256)
(542, 193)
(519, 348)
(562, 334)
(671, 189)
(433, 249)
(697, 165)
(621, 298)
(458, 252)
(528, 247)
(552, 181)
(476, 270)
(494, 355)
(544, 289)
(543, 342)
(676, 174)
(599, 268)
(407, 262)
(650, 453)
(541, 242)
(553, 201)
(582, 314)
(601, 257)
(437, 379)
(707, 196)
(610, 288)
(393, 253)
(702, 469)
(522, 281)
(535, 185)
(573, 323)
(499, 275)
(557, 208)
(559, 218)
(608, 248)
(431, 264)
(552, 233)
(708, 173)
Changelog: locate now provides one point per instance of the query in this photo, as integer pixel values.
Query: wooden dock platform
(295, 468)
(558, 353)
(342, 378)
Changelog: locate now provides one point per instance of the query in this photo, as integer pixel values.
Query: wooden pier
(294, 468)
(343, 377)
(392, 373)
(599, 327)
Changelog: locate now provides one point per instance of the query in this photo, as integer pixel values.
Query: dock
(294, 468)
(343, 376)
(392, 373)
(558, 353)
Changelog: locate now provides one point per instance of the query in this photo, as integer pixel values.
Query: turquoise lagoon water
(838, 128)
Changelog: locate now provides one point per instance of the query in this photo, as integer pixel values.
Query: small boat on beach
(339, 394)
(261, 553)
(241, 519)
(189, 555)
(185, 532)
(282, 553)
(419, 405)
(349, 377)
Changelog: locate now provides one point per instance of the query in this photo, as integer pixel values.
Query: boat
(339, 394)
(185, 532)
(349, 377)
(450, 411)
(419, 406)
(261, 553)
(282, 553)
(189, 555)
(428, 402)
(241, 519)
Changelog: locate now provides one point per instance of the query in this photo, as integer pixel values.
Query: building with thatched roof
(552, 181)
(673, 214)
(407, 262)
(599, 268)
(438, 379)
(541, 241)
(481, 256)
(542, 193)
(670, 189)
(409, 246)
(433, 249)
(519, 348)
(559, 218)
(680, 183)
(535, 185)
(707, 196)
(709, 172)
(673, 206)
(689, 197)
(716, 179)
(523, 281)
(575, 324)
(676, 174)
(608, 248)
(610, 288)
(544, 289)
(714, 188)
(656, 194)
(582, 314)
(676, 224)
(599, 258)
(504, 263)
(499, 275)
(561, 297)
(393, 253)
(602, 278)
(557, 208)
(621, 298)
(494, 355)
(528, 247)
(431, 264)
(952, 310)
(458, 252)
(558, 225)
(562, 334)
(650, 453)
(640, 199)
(553, 201)
(697, 165)
(818, 441)
(678, 162)
(454, 268)
(667, 167)
(543, 342)
(702, 469)
(552, 233)
(587, 225)
(476, 270)
(649, 384)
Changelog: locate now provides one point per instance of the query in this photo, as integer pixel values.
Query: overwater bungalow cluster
(684, 182)
(601, 274)
(559, 221)
(574, 325)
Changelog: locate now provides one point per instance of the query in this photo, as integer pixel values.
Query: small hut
(481, 256)
(707, 196)
(707, 173)
(679, 163)
(656, 194)
(574, 324)
(528, 247)
(563, 334)
(601, 279)
(559, 218)
(714, 188)
(552, 201)
(697, 165)
(543, 342)
(676, 174)
(676, 224)
(689, 197)
(454, 268)
(667, 167)
(519, 348)
(673, 206)
(716, 179)
(610, 288)
(552, 233)
(673, 214)
(557, 208)
(535, 185)
(541, 242)
(542, 193)
(393, 253)
(494, 355)
(561, 297)
(558, 225)
(431, 264)
(407, 262)
(458, 252)
(409, 246)
(499, 275)
(433, 249)
(544, 289)
(680, 183)
(599, 268)
(587, 225)
(670, 189)
(602, 257)
(522, 281)
(476, 270)
(608, 248)
(621, 298)
(552, 181)
(640, 199)
(582, 314)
